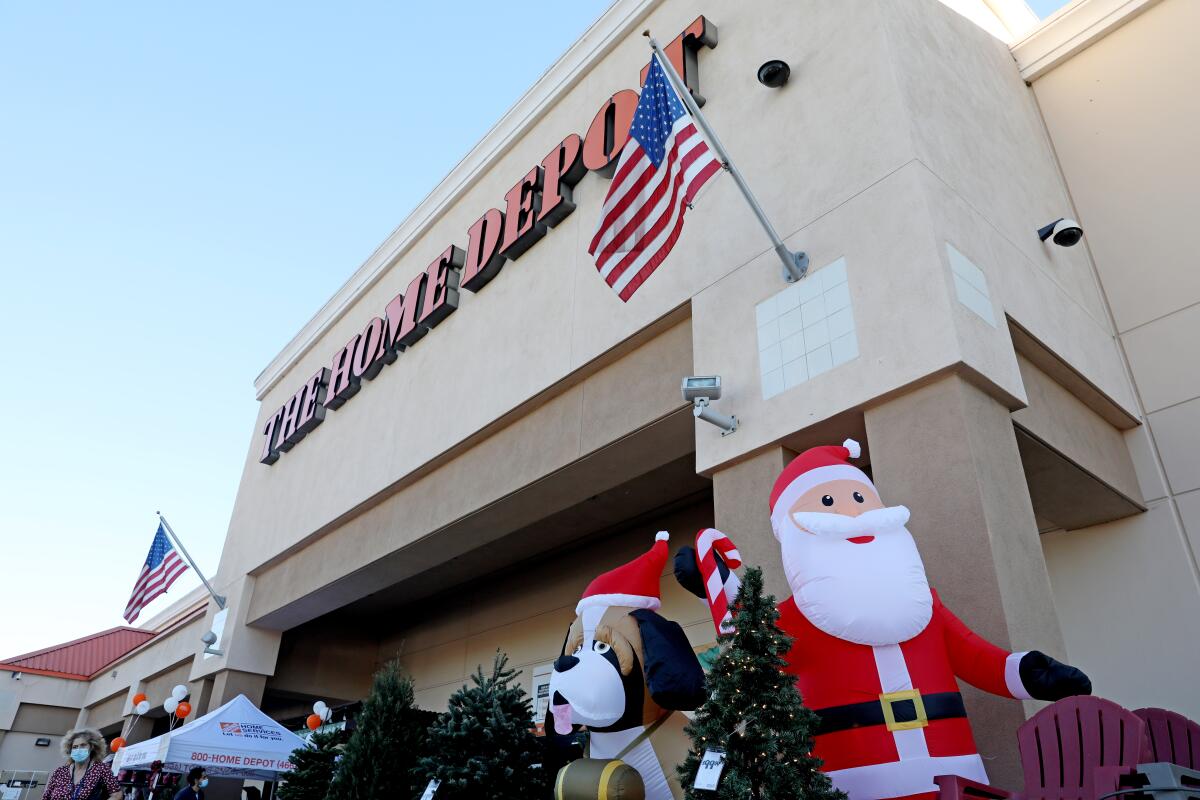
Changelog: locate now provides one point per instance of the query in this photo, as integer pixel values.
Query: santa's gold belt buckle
(889, 714)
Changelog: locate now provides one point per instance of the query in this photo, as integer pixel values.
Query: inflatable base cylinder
(597, 779)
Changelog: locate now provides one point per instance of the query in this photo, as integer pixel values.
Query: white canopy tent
(236, 741)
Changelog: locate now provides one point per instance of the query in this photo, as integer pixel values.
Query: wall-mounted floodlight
(209, 638)
(700, 390)
(1065, 232)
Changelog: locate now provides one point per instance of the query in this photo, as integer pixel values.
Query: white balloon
(319, 708)
(179, 692)
(142, 707)
(170, 705)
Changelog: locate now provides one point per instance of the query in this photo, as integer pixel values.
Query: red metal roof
(84, 657)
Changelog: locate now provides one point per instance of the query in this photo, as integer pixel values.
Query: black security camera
(774, 73)
(1063, 232)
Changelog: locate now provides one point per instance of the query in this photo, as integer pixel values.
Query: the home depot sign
(539, 200)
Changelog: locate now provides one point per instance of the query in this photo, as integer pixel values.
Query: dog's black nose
(564, 663)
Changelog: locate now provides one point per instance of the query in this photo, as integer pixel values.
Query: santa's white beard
(872, 593)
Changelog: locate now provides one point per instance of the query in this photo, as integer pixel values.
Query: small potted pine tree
(484, 745)
(388, 737)
(754, 714)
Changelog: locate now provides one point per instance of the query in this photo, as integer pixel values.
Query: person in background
(196, 782)
(85, 776)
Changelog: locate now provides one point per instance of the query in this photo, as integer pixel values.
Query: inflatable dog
(624, 671)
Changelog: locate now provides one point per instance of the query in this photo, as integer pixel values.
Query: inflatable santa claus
(875, 651)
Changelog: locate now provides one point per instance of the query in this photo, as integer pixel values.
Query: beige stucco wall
(38, 706)
(1123, 116)
(32, 707)
(889, 107)
(905, 129)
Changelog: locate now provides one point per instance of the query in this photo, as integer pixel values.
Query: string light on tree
(767, 739)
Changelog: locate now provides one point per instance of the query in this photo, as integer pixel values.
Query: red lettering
(609, 132)
(312, 407)
(367, 353)
(402, 315)
(561, 170)
(682, 50)
(342, 384)
(441, 287)
(270, 453)
(483, 250)
(521, 206)
(540, 200)
(289, 420)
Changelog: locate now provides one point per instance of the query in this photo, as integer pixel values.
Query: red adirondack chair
(1074, 749)
(1171, 737)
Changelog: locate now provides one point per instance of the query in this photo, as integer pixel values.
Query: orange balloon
(116, 744)
(183, 709)
(139, 697)
(313, 722)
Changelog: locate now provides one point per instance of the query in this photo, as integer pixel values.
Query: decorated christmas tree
(484, 745)
(309, 779)
(388, 737)
(754, 714)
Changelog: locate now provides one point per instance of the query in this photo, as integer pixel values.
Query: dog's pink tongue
(562, 719)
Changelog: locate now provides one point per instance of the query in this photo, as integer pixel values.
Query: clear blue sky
(181, 187)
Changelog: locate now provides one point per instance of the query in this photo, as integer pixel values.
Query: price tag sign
(431, 789)
(710, 770)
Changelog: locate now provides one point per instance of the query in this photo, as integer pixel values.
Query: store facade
(475, 425)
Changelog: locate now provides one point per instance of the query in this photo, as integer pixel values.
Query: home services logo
(251, 730)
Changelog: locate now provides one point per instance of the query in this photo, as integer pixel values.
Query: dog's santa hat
(634, 584)
(812, 468)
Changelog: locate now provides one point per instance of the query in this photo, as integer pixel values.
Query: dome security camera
(774, 73)
(1063, 232)
(209, 638)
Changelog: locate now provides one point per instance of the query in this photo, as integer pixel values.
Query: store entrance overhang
(647, 470)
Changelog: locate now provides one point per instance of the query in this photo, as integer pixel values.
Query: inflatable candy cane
(721, 584)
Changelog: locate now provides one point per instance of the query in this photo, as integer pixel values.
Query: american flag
(661, 168)
(163, 565)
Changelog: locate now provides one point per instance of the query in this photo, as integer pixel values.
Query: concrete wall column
(740, 509)
(947, 450)
(229, 683)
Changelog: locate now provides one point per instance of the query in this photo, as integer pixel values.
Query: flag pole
(795, 265)
(183, 550)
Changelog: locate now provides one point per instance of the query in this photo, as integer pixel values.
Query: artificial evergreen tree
(755, 714)
(313, 767)
(379, 758)
(484, 745)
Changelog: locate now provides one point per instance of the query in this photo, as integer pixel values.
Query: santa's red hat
(634, 584)
(810, 469)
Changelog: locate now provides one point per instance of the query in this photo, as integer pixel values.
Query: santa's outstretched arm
(1031, 674)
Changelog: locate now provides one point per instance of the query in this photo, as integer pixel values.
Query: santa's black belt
(899, 711)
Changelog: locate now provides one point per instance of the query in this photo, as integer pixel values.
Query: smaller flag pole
(183, 551)
(795, 265)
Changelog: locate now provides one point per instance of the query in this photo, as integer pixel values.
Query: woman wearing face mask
(85, 776)
(197, 781)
